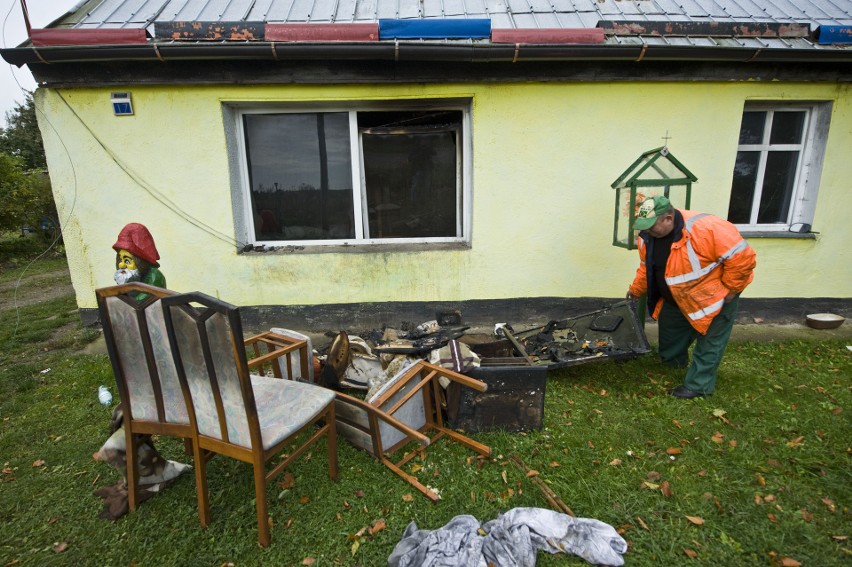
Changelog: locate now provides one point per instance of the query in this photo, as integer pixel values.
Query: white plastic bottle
(104, 396)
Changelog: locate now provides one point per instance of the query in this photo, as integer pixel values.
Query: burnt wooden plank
(723, 29)
(210, 30)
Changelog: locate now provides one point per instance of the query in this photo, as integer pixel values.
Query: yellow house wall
(544, 156)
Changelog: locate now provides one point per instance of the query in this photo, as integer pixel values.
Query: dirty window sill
(356, 249)
(773, 234)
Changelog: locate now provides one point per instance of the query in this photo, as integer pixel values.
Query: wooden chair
(148, 385)
(232, 413)
(402, 412)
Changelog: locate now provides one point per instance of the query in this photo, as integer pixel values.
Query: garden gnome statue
(136, 257)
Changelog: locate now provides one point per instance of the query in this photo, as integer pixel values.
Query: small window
(779, 161)
(354, 176)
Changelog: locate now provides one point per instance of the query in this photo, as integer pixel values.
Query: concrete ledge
(519, 312)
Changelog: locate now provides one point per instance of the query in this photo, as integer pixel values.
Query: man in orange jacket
(693, 267)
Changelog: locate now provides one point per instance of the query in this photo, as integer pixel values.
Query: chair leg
(331, 441)
(131, 468)
(201, 485)
(263, 536)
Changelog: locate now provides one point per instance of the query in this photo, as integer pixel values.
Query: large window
(779, 160)
(370, 175)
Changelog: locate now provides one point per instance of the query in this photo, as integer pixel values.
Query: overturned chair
(181, 370)
(400, 414)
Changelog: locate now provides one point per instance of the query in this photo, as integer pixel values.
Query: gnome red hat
(136, 239)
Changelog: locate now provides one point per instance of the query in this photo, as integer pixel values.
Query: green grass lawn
(758, 474)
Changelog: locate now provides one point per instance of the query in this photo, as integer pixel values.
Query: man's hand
(630, 296)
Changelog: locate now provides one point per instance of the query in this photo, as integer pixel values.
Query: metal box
(514, 400)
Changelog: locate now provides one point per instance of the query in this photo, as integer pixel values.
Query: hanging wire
(150, 189)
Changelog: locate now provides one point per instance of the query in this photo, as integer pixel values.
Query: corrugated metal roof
(503, 13)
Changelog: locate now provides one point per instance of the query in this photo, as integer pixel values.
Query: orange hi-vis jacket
(708, 262)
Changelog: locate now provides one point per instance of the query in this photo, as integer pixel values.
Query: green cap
(649, 211)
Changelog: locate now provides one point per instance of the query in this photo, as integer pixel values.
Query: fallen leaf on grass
(839, 537)
(650, 485)
(674, 451)
(806, 515)
(830, 504)
(615, 462)
(676, 423)
(720, 413)
(796, 442)
(759, 478)
(717, 437)
(758, 499)
(287, 481)
(732, 443)
(788, 562)
(304, 500)
(653, 476)
(416, 468)
(695, 520)
(377, 526)
(553, 464)
(60, 547)
(691, 553)
(407, 497)
(642, 523)
(532, 472)
(38, 463)
(666, 489)
(773, 518)
(505, 477)
(308, 561)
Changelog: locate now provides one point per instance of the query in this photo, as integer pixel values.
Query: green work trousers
(676, 335)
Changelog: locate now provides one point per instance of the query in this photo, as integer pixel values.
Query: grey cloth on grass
(511, 540)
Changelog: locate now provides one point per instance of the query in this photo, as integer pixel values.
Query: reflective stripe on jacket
(710, 260)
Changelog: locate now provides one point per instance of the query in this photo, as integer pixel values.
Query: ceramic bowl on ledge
(824, 320)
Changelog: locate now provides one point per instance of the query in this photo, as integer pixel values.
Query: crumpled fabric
(155, 472)
(511, 540)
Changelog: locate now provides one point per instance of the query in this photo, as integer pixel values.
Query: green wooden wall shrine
(655, 172)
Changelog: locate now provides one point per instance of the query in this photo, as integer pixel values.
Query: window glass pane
(777, 187)
(742, 191)
(300, 175)
(751, 129)
(411, 183)
(787, 127)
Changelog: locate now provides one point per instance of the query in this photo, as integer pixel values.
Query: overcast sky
(12, 33)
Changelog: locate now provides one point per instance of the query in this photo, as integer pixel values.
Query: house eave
(411, 51)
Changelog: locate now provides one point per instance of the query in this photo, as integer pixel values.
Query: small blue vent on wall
(121, 105)
(435, 29)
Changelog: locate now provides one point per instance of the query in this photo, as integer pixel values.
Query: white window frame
(244, 217)
(809, 167)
